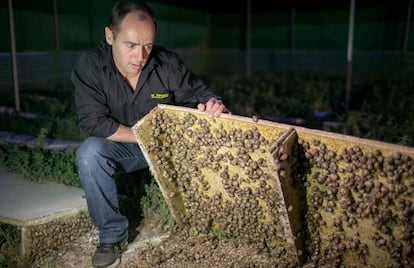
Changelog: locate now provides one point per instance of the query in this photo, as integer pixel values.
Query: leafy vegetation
(155, 209)
(51, 111)
(286, 95)
(385, 111)
(39, 164)
(381, 108)
(9, 246)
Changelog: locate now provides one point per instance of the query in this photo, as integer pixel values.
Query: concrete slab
(22, 201)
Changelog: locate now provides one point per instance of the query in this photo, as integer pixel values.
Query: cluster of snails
(353, 189)
(205, 251)
(222, 176)
(43, 239)
(338, 191)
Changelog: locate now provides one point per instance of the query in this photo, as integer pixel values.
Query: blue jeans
(98, 159)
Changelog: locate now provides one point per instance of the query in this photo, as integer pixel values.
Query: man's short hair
(122, 8)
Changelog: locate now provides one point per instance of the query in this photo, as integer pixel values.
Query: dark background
(280, 60)
(296, 36)
(379, 25)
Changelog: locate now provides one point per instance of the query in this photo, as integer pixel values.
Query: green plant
(219, 234)
(378, 127)
(193, 231)
(41, 138)
(155, 209)
(49, 262)
(131, 189)
(9, 246)
(39, 164)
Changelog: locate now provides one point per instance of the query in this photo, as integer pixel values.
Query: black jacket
(104, 100)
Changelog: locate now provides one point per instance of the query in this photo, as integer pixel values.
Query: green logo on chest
(159, 95)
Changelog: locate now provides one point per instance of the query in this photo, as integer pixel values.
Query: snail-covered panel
(326, 198)
(360, 205)
(217, 174)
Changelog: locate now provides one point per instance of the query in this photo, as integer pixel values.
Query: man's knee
(88, 150)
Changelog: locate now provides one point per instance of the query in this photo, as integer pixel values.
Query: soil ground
(178, 249)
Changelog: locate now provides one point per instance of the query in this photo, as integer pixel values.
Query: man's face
(132, 45)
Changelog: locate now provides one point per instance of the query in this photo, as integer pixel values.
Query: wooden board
(359, 199)
(218, 174)
(340, 200)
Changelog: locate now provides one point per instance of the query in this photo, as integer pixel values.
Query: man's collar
(108, 62)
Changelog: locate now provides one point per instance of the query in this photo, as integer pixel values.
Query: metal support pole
(57, 45)
(291, 31)
(349, 55)
(407, 28)
(248, 38)
(291, 36)
(13, 56)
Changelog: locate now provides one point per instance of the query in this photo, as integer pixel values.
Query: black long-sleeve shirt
(104, 100)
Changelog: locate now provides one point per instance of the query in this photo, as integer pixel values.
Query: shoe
(109, 255)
